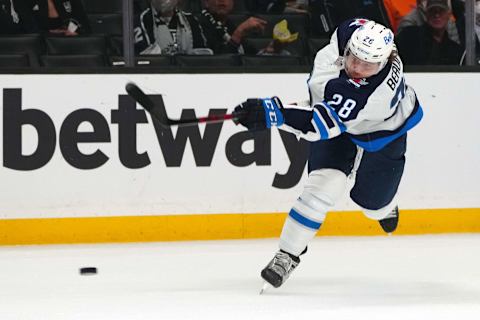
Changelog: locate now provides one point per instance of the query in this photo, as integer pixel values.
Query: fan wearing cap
(430, 44)
(357, 119)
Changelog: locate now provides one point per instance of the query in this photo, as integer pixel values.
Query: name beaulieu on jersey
(126, 117)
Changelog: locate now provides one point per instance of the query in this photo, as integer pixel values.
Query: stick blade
(138, 95)
(157, 111)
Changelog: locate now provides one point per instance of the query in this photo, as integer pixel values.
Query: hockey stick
(158, 110)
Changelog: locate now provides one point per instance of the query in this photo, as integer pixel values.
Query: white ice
(397, 277)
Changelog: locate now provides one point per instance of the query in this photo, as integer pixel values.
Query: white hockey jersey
(372, 111)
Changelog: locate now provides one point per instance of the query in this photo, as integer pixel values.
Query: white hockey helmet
(372, 42)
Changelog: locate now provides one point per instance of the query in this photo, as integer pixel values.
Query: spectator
(165, 29)
(16, 18)
(62, 17)
(429, 43)
(417, 17)
(458, 7)
(477, 21)
(222, 36)
(281, 38)
(397, 9)
(477, 30)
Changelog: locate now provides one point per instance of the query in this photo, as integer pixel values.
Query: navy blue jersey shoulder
(355, 92)
(345, 30)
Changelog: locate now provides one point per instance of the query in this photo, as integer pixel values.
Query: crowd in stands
(177, 33)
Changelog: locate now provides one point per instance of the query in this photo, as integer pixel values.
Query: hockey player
(357, 119)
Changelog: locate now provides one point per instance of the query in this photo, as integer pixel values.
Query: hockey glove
(259, 114)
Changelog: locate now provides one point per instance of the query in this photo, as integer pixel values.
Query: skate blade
(265, 286)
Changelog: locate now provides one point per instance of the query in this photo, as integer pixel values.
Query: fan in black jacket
(222, 35)
(16, 18)
(65, 17)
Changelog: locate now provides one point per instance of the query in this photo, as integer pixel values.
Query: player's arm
(319, 122)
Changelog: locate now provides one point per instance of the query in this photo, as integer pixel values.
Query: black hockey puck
(88, 271)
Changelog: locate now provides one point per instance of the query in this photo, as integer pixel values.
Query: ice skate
(265, 286)
(390, 222)
(279, 269)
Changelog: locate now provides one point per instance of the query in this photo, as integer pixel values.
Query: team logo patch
(388, 38)
(358, 82)
(358, 22)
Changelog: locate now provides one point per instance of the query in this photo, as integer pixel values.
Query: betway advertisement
(78, 145)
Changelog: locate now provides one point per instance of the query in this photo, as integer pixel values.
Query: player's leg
(377, 181)
(329, 163)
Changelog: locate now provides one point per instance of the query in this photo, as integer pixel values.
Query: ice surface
(397, 277)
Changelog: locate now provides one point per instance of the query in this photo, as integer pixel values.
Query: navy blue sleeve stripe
(321, 127)
(325, 116)
(335, 116)
(298, 119)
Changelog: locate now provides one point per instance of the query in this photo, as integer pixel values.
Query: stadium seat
(144, 61)
(31, 44)
(103, 6)
(14, 61)
(154, 61)
(110, 24)
(83, 61)
(321, 24)
(315, 44)
(76, 45)
(253, 45)
(219, 60)
(283, 61)
(115, 45)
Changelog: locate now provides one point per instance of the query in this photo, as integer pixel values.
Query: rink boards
(81, 164)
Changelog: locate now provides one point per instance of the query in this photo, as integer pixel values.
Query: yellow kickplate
(222, 226)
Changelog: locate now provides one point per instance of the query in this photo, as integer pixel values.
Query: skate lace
(282, 263)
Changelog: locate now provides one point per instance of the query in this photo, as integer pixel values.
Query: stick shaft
(158, 110)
